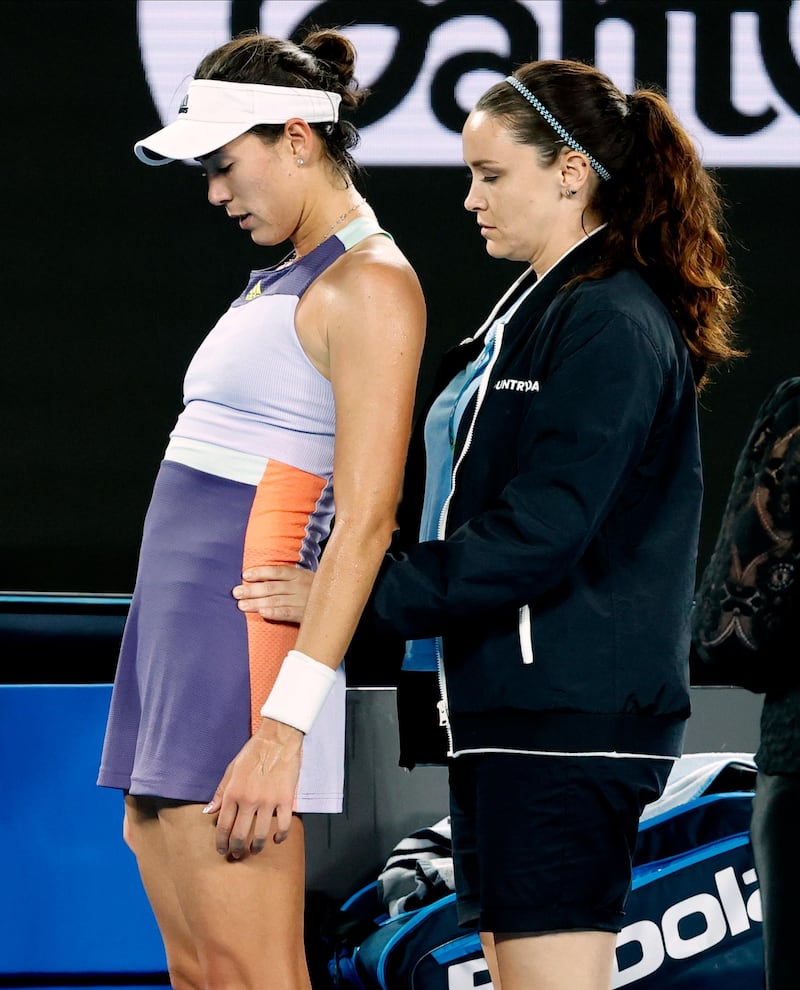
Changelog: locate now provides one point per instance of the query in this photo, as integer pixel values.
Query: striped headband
(562, 132)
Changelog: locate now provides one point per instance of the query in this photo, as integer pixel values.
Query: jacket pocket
(526, 635)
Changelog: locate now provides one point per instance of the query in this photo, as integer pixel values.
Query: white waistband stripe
(220, 461)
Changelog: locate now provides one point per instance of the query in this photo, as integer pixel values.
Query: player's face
(253, 181)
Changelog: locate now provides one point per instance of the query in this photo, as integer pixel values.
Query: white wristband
(299, 691)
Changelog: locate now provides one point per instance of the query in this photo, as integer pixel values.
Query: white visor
(214, 113)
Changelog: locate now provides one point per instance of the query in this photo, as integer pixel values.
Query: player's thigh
(143, 833)
(556, 961)
(252, 907)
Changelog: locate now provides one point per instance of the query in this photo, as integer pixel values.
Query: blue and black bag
(693, 919)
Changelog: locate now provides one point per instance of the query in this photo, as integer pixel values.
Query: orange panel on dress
(285, 500)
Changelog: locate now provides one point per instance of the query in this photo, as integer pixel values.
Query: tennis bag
(693, 919)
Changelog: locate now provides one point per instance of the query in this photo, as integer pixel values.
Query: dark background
(113, 273)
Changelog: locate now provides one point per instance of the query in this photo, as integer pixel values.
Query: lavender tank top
(250, 389)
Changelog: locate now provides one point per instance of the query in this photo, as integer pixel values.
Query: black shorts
(544, 843)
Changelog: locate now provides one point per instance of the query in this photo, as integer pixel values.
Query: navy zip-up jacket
(563, 585)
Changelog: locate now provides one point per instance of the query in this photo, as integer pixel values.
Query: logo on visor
(184, 107)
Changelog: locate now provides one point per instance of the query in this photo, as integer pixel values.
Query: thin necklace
(294, 256)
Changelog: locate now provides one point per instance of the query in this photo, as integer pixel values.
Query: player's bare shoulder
(369, 294)
(377, 259)
(373, 281)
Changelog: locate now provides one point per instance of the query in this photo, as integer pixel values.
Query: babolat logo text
(517, 385)
(706, 929)
(688, 928)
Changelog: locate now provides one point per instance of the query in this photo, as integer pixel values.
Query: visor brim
(183, 140)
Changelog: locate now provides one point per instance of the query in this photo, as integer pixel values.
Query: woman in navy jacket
(548, 533)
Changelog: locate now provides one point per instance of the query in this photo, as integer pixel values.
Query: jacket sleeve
(584, 434)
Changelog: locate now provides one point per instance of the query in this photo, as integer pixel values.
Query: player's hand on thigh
(278, 593)
(260, 782)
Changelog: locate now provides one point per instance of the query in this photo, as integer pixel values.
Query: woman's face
(257, 184)
(518, 202)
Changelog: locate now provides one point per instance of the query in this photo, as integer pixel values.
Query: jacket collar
(579, 260)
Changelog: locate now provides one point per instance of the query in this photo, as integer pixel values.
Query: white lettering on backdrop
(730, 69)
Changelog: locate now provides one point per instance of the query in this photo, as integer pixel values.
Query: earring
(301, 161)
(568, 192)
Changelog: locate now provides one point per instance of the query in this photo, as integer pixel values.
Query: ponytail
(664, 215)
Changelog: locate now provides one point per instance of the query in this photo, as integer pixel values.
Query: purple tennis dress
(246, 479)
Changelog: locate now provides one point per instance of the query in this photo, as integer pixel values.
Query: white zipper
(442, 705)
(482, 388)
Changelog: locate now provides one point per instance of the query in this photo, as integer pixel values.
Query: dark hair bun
(337, 56)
